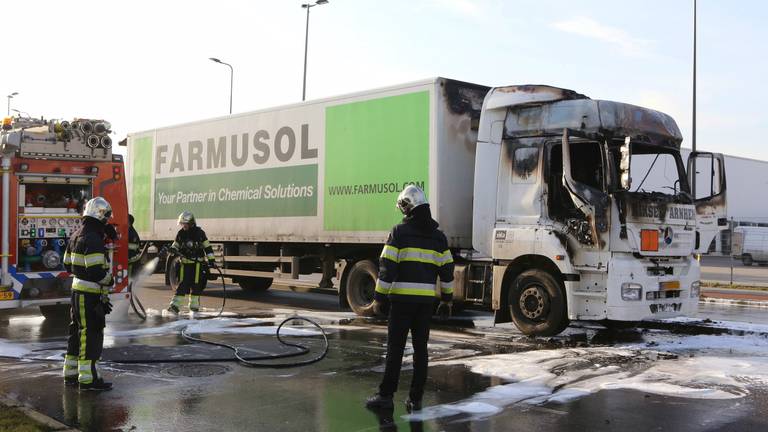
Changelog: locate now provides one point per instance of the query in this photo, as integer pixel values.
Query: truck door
(706, 173)
(587, 193)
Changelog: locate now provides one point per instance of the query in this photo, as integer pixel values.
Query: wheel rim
(534, 303)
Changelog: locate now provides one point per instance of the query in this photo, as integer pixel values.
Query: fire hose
(239, 356)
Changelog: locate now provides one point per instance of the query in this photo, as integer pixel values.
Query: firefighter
(134, 246)
(415, 256)
(193, 248)
(86, 258)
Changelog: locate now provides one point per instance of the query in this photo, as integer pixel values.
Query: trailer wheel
(537, 304)
(255, 284)
(746, 259)
(361, 284)
(57, 312)
(172, 272)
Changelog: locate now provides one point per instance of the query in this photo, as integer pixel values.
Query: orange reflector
(649, 240)
(559, 257)
(670, 285)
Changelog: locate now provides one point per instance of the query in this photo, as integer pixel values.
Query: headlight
(695, 288)
(631, 291)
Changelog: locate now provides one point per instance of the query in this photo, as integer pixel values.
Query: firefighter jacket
(193, 245)
(86, 258)
(415, 256)
(134, 243)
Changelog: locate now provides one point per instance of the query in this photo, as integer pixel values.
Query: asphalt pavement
(482, 377)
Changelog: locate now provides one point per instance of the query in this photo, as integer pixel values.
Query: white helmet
(98, 208)
(410, 198)
(186, 217)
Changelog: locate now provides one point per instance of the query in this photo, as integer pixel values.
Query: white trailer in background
(556, 206)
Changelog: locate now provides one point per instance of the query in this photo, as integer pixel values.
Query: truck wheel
(537, 304)
(172, 272)
(57, 312)
(746, 259)
(361, 284)
(255, 284)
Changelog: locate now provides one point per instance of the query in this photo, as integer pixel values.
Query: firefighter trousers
(86, 336)
(192, 279)
(404, 317)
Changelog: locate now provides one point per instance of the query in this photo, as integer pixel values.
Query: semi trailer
(556, 207)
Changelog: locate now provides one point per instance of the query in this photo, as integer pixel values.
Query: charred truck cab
(591, 209)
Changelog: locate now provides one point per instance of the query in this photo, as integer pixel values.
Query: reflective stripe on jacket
(86, 258)
(193, 245)
(415, 256)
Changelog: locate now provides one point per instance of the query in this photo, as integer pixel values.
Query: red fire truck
(49, 170)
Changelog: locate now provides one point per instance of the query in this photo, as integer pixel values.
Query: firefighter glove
(106, 304)
(445, 309)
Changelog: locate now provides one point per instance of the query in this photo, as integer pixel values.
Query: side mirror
(625, 176)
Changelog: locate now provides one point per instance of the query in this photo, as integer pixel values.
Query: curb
(37, 416)
(733, 302)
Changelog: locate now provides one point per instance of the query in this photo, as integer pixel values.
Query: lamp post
(308, 6)
(10, 96)
(231, 79)
(693, 126)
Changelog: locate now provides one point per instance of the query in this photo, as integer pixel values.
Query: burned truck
(605, 224)
(556, 206)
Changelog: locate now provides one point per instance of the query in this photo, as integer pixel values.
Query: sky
(144, 64)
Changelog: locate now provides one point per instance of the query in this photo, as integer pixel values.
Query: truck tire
(537, 304)
(57, 312)
(361, 284)
(746, 259)
(172, 272)
(255, 284)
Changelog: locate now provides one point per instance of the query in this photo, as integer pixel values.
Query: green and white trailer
(531, 185)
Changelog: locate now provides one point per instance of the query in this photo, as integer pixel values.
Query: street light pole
(307, 6)
(10, 96)
(231, 79)
(693, 125)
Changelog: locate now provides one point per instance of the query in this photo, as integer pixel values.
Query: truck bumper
(661, 296)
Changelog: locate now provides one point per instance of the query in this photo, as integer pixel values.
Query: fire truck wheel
(361, 284)
(254, 284)
(57, 312)
(537, 303)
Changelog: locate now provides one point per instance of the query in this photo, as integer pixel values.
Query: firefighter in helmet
(196, 261)
(87, 259)
(415, 256)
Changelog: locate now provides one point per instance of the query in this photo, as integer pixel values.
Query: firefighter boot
(89, 378)
(175, 303)
(194, 303)
(70, 370)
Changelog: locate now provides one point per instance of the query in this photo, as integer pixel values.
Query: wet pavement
(481, 377)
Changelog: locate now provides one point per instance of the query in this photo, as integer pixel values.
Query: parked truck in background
(556, 206)
(750, 244)
(49, 170)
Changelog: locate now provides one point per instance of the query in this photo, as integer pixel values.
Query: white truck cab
(587, 211)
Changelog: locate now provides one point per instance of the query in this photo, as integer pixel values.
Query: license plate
(669, 285)
(6, 295)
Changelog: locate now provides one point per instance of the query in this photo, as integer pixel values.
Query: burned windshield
(657, 170)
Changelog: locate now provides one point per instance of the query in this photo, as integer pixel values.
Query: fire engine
(49, 170)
